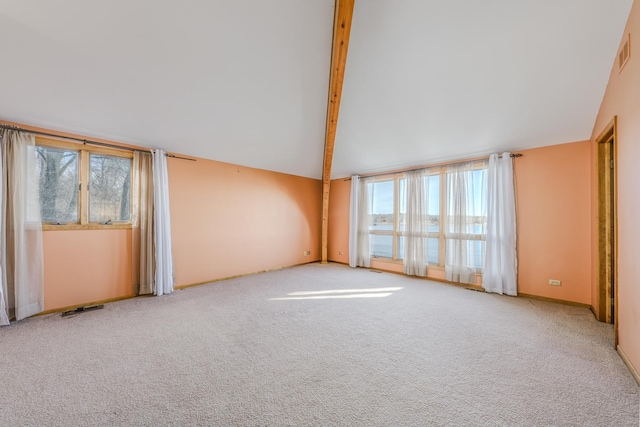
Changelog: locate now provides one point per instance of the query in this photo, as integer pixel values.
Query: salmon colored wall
(84, 266)
(554, 214)
(553, 223)
(622, 99)
(338, 241)
(229, 220)
(226, 220)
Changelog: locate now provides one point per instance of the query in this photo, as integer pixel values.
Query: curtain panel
(501, 262)
(21, 257)
(359, 222)
(353, 221)
(142, 223)
(152, 251)
(416, 222)
(465, 220)
(164, 279)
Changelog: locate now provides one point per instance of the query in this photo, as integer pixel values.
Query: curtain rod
(417, 168)
(87, 141)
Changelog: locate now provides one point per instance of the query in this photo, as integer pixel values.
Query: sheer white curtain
(501, 262)
(164, 279)
(142, 221)
(359, 221)
(415, 229)
(353, 221)
(22, 261)
(466, 210)
(5, 316)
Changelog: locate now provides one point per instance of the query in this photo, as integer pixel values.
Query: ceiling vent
(624, 53)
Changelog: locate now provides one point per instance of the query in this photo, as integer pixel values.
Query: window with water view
(387, 198)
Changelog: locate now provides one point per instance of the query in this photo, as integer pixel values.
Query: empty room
(320, 212)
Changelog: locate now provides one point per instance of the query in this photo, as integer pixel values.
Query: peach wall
(552, 186)
(554, 214)
(229, 220)
(85, 266)
(338, 240)
(226, 220)
(621, 99)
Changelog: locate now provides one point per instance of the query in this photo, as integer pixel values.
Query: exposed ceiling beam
(343, 15)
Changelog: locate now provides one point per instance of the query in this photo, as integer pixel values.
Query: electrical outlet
(555, 282)
(307, 253)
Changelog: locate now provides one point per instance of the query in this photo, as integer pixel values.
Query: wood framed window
(387, 212)
(83, 187)
(384, 222)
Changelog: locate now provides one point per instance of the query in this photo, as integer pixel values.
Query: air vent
(624, 53)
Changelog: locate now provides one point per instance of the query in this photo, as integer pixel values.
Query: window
(58, 177)
(432, 187)
(466, 212)
(83, 187)
(109, 184)
(382, 219)
(387, 213)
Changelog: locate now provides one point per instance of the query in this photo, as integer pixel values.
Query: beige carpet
(236, 353)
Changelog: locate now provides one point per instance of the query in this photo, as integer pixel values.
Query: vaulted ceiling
(246, 81)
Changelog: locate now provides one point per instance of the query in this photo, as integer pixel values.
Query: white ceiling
(246, 81)
(241, 81)
(439, 80)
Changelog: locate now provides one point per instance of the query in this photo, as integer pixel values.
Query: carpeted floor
(274, 349)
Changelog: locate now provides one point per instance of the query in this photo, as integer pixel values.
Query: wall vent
(624, 53)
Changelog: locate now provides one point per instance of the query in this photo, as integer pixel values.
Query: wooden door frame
(608, 136)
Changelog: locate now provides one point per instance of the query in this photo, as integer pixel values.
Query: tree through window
(57, 171)
(82, 187)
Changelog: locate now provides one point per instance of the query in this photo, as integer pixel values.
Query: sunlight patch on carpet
(376, 295)
(343, 291)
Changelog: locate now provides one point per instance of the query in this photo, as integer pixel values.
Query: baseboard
(86, 304)
(108, 300)
(461, 285)
(191, 285)
(481, 289)
(557, 301)
(626, 361)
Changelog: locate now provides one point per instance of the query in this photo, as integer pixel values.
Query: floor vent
(624, 53)
(81, 310)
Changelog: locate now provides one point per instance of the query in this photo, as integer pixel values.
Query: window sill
(478, 272)
(388, 260)
(92, 226)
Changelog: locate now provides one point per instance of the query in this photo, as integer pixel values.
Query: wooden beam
(343, 15)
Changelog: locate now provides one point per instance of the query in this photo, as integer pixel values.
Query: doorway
(606, 218)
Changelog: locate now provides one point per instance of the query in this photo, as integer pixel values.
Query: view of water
(382, 246)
